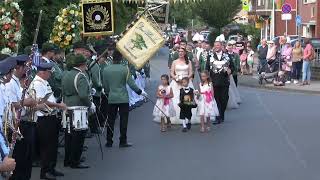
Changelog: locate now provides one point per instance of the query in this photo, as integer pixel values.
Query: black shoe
(189, 126)
(85, 148)
(216, 122)
(47, 176)
(125, 145)
(80, 166)
(184, 130)
(56, 173)
(108, 145)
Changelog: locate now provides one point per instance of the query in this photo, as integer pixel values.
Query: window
(313, 11)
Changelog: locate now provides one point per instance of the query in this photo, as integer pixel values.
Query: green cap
(47, 47)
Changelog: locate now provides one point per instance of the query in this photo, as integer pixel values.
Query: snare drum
(78, 117)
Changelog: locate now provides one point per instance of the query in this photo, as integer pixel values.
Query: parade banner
(140, 42)
(97, 17)
(245, 5)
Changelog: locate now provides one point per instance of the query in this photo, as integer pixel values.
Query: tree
(181, 14)
(217, 13)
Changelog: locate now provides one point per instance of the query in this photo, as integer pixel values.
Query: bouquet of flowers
(10, 26)
(66, 28)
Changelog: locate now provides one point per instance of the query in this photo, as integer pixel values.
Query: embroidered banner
(140, 42)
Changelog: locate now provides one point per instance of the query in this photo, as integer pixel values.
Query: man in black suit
(220, 79)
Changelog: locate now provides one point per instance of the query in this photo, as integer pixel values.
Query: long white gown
(234, 95)
(182, 70)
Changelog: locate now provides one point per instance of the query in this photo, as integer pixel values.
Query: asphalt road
(273, 136)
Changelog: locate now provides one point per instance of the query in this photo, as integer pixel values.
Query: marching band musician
(7, 164)
(22, 152)
(220, 80)
(94, 79)
(76, 91)
(47, 125)
(48, 52)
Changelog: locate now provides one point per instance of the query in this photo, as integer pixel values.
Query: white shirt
(42, 88)
(13, 89)
(219, 54)
(199, 51)
(221, 38)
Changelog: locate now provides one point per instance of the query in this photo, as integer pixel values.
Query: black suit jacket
(220, 79)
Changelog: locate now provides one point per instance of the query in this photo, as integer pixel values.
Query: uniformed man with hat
(46, 118)
(115, 78)
(6, 68)
(23, 148)
(76, 91)
(94, 79)
(48, 51)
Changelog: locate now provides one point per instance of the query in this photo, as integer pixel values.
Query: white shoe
(288, 82)
(295, 81)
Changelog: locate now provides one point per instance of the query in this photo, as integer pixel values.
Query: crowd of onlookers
(294, 62)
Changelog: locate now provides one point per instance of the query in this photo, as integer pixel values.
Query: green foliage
(31, 9)
(251, 30)
(181, 13)
(217, 13)
(124, 14)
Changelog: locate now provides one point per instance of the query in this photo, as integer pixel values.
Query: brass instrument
(31, 111)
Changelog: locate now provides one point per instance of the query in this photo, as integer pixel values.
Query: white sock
(184, 123)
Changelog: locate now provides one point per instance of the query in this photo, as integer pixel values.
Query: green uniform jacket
(115, 78)
(72, 97)
(172, 56)
(55, 80)
(95, 78)
(236, 62)
(203, 60)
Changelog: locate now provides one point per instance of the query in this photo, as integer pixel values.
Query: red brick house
(309, 10)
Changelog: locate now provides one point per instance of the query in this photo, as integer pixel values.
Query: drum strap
(75, 82)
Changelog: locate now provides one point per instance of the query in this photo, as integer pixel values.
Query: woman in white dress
(181, 68)
(234, 96)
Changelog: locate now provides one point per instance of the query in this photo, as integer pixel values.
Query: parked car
(293, 41)
(315, 42)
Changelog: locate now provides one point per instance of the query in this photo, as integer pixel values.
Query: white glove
(93, 108)
(144, 94)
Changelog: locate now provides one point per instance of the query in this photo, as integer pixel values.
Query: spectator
(286, 54)
(297, 56)
(250, 58)
(306, 66)
(262, 55)
(272, 52)
(243, 59)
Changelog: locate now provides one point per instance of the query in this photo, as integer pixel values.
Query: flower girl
(207, 106)
(164, 106)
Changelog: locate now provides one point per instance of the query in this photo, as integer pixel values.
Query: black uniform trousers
(48, 142)
(123, 109)
(73, 146)
(235, 78)
(23, 151)
(103, 110)
(221, 95)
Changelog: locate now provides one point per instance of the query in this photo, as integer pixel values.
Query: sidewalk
(252, 81)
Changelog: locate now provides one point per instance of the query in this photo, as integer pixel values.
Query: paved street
(273, 136)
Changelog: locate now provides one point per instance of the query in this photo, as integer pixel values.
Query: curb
(257, 86)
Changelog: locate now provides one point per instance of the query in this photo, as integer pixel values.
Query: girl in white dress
(207, 106)
(164, 106)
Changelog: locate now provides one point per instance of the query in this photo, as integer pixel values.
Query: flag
(36, 57)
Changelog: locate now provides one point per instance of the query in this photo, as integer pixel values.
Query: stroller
(270, 70)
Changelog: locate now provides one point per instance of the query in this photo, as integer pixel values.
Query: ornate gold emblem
(97, 17)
